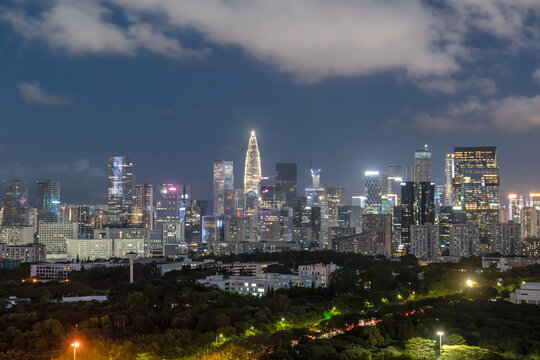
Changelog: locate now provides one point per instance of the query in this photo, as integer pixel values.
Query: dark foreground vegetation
(169, 317)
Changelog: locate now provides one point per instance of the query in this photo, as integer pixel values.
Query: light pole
(440, 333)
(75, 345)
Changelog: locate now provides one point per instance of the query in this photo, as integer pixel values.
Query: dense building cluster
(401, 211)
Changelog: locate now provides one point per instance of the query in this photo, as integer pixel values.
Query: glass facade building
(48, 204)
(476, 186)
(223, 184)
(15, 203)
(121, 194)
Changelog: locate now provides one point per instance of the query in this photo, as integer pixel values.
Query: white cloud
(310, 39)
(512, 114)
(33, 94)
(83, 27)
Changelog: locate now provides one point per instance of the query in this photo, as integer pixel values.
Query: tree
(420, 348)
(459, 352)
(455, 339)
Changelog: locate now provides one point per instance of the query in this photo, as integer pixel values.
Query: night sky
(351, 85)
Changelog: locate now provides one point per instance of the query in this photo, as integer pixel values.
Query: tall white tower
(131, 256)
(252, 174)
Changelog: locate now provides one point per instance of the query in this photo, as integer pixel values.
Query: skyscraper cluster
(400, 211)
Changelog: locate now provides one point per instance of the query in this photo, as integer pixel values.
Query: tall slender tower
(448, 177)
(252, 174)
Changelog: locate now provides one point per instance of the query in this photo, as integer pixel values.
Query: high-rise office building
(48, 204)
(476, 186)
(373, 190)
(448, 176)
(336, 197)
(252, 172)
(534, 200)
(514, 208)
(417, 207)
(287, 184)
(530, 222)
(422, 165)
(350, 216)
(223, 182)
(144, 195)
(15, 208)
(168, 205)
(121, 193)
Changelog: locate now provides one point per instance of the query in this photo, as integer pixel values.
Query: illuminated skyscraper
(252, 173)
(476, 186)
(167, 205)
(448, 176)
(223, 183)
(422, 165)
(15, 203)
(373, 190)
(48, 204)
(417, 207)
(514, 208)
(315, 178)
(337, 197)
(121, 194)
(145, 202)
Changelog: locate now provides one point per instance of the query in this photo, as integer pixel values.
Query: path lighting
(75, 345)
(440, 333)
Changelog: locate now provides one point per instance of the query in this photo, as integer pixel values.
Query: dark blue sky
(82, 81)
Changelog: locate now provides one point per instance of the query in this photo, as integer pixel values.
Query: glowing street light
(469, 283)
(75, 345)
(440, 333)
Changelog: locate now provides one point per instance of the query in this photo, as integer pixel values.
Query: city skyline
(304, 178)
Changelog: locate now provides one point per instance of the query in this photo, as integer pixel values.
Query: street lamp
(440, 333)
(470, 283)
(75, 345)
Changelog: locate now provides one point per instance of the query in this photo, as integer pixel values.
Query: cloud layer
(512, 114)
(86, 27)
(311, 39)
(33, 94)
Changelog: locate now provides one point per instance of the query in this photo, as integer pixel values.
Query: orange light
(34, 281)
(75, 344)
(67, 280)
(512, 196)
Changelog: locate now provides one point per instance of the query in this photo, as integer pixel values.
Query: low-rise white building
(53, 271)
(93, 249)
(256, 285)
(321, 271)
(528, 293)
